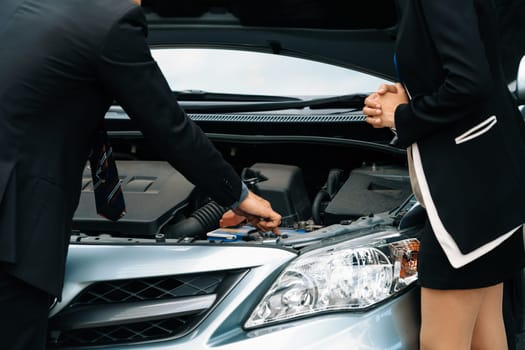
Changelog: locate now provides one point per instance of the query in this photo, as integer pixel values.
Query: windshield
(244, 72)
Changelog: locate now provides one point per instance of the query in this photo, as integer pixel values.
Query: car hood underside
(332, 31)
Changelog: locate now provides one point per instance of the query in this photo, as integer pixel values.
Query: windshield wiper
(201, 95)
(353, 101)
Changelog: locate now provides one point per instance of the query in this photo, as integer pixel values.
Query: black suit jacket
(466, 134)
(62, 63)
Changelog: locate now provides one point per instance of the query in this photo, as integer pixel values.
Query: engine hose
(201, 221)
(209, 215)
(316, 205)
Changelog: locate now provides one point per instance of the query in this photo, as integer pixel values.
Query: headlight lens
(339, 277)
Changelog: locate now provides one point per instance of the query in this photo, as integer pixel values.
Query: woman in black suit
(465, 142)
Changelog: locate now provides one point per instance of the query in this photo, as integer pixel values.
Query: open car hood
(347, 33)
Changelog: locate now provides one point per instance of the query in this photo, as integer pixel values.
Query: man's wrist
(244, 194)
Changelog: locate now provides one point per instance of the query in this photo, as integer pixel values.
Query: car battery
(230, 234)
(248, 233)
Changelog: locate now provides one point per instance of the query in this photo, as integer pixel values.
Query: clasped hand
(380, 106)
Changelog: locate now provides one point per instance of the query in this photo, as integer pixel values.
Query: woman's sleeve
(454, 29)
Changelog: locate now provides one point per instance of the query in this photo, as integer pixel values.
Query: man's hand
(259, 213)
(381, 105)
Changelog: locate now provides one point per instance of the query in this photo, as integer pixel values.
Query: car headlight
(345, 276)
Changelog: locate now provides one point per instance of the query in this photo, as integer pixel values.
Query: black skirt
(498, 265)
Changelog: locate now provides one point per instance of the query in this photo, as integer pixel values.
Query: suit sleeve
(454, 29)
(130, 75)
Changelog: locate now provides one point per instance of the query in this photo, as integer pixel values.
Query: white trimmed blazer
(461, 127)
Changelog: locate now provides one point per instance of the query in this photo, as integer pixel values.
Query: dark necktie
(109, 199)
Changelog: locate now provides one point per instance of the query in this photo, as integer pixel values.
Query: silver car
(279, 91)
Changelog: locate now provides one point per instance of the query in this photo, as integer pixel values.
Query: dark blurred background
(511, 16)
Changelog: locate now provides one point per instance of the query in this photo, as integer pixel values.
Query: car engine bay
(163, 206)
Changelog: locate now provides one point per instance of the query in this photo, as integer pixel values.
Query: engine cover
(153, 191)
(369, 190)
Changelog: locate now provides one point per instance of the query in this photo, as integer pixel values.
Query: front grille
(157, 288)
(83, 322)
(129, 333)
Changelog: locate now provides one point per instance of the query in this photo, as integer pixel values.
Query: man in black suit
(62, 63)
